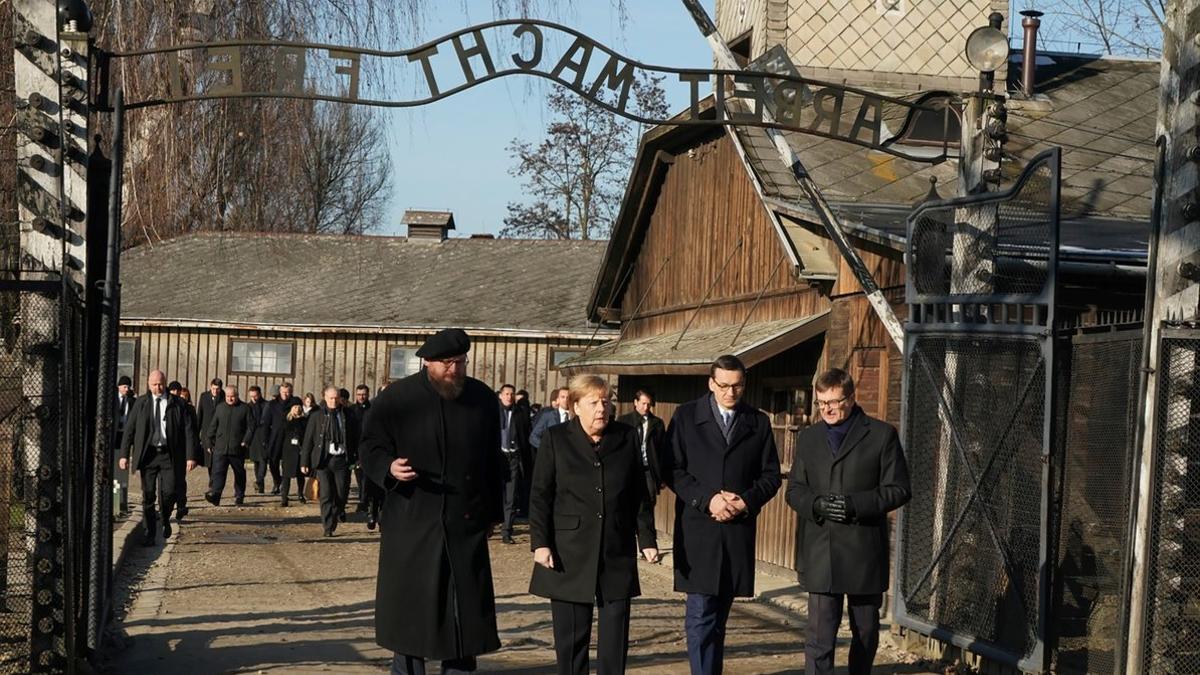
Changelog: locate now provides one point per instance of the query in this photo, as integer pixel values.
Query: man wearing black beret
(430, 443)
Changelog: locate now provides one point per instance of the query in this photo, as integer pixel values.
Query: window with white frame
(261, 357)
(127, 349)
(402, 362)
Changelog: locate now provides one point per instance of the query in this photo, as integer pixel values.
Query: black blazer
(870, 469)
(703, 464)
(231, 429)
(314, 451)
(275, 423)
(139, 430)
(655, 442)
(584, 504)
(205, 409)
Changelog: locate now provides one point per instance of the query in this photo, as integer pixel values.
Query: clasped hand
(725, 506)
(837, 508)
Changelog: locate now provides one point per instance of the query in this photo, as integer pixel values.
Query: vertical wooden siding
(196, 355)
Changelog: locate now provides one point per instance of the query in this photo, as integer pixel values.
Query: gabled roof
(522, 286)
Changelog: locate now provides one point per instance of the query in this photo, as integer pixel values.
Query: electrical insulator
(37, 163)
(1191, 211)
(1192, 154)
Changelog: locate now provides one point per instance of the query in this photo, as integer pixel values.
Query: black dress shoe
(212, 499)
(370, 522)
(259, 488)
(507, 539)
(342, 517)
(181, 513)
(303, 500)
(239, 500)
(328, 533)
(167, 531)
(283, 502)
(275, 490)
(361, 508)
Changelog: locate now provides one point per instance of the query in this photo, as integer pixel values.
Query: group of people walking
(593, 481)
(164, 436)
(443, 460)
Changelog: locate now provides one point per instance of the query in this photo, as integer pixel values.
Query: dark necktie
(157, 438)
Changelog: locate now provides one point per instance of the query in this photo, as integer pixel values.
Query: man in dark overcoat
(514, 444)
(229, 435)
(258, 444)
(651, 434)
(158, 433)
(329, 449)
(724, 469)
(848, 474)
(275, 427)
(430, 443)
(207, 405)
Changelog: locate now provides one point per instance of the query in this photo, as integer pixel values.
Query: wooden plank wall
(195, 355)
(706, 204)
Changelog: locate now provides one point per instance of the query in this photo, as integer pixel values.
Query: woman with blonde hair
(293, 438)
(587, 494)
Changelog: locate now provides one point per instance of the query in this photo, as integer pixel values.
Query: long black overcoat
(583, 505)
(703, 464)
(258, 440)
(275, 424)
(870, 469)
(231, 429)
(293, 441)
(434, 596)
(139, 426)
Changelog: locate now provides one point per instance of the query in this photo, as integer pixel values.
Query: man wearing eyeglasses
(430, 441)
(724, 469)
(848, 474)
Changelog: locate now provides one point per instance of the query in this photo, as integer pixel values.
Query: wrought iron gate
(977, 417)
(1172, 629)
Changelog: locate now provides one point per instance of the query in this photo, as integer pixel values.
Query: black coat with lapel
(231, 429)
(181, 436)
(655, 442)
(703, 464)
(434, 595)
(314, 451)
(258, 441)
(275, 424)
(870, 469)
(293, 441)
(584, 505)
(205, 409)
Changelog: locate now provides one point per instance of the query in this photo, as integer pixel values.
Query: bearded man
(430, 443)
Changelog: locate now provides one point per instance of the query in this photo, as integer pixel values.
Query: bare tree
(343, 170)
(1119, 27)
(574, 177)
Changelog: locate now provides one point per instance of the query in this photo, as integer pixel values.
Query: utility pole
(1162, 637)
(51, 85)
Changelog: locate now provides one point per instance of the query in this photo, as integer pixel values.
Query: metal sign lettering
(448, 65)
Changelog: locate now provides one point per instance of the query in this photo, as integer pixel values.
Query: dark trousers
(573, 633)
(334, 480)
(286, 485)
(261, 466)
(402, 664)
(824, 618)
(512, 492)
(704, 622)
(220, 465)
(158, 475)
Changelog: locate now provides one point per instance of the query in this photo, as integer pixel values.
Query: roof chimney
(1029, 52)
(428, 225)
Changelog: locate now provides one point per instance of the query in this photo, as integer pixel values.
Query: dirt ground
(257, 589)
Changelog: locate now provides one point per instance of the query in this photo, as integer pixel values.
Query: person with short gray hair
(229, 435)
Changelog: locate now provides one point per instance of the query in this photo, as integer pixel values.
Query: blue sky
(452, 154)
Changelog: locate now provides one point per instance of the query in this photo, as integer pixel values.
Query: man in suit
(514, 443)
(651, 435)
(555, 413)
(209, 401)
(258, 444)
(159, 434)
(724, 469)
(366, 496)
(848, 474)
(230, 433)
(125, 398)
(330, 448)
(275, 424)
(181, 507)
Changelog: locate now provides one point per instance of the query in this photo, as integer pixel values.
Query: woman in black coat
(293, 439)
(584, 503)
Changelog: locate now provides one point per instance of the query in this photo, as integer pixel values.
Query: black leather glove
(827, 507)
(845, 507)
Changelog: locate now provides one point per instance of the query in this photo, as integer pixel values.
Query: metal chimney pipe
(1029, 52)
